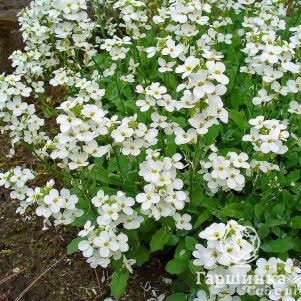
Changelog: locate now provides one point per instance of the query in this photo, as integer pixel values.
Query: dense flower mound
(156, 122)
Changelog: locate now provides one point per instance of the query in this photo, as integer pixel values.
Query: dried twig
(38, 278)
(97, 279)
(11, 276)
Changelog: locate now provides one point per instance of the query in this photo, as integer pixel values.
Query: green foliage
(160, 239)
(118, 283)
(73, 246)
(177, 297)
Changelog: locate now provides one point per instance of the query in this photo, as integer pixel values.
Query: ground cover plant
(164, 128)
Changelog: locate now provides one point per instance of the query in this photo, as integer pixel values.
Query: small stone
(16, 270)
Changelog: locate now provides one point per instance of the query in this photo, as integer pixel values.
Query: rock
(10, 38)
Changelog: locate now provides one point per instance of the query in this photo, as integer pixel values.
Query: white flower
(188, 67)
(67, 122)
(239, 161)
(147, 199)
(183, 222)
(88, 227)
(216, 71)
(172, 49)
(54, 201)
(257, 122)
(294, 107)
(271, 53)
(106, 244)
(165, 66)
(201, 296)
(96, 151)
(235, 180)
(132, 147)
(122, 133)
(221, 168)
(214, 232)
(87, 247)
(131, 222)
(110, 212)
(79, 160)
(128, 263)
(99, 199)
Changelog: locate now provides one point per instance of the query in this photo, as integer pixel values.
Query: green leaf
(182, 252)
(278, 209)
(148, 225)
(278, 245)
(259, 211)
(190, 243)
(87, 216)
(142, 255)
(118, 283)
(234, 210)
(201, 219)
(177, 297)
(160, 239)
(295, 222)
(173, 240)
(263, 231)
(238, 118)
(293, 177)
(177, 266)
(73, 246)
(212, 134)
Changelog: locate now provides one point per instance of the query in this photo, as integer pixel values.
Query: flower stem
(194, 165)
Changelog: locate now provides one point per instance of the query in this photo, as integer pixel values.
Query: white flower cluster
(225, 172)
(261, 166)
(117, 48)
(286, 279)
(267, 55)
(115, 210)
(226, 245)
(271, 58)
(103, 241)
(100, 244)
(46, 201)
(17, 116)
(229, 275)
(16, 179)
(60, 205)
(163, 195)
(80, 125)
(156, 95)
(267, 136)
(52, 32)
(135, 15)
(185, 17)
(134, 136)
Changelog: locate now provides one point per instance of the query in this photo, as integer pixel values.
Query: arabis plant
(155, 121)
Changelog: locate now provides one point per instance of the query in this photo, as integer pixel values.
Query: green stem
(119, 93)
(118, 164)
(163, 142)
(194, 166)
